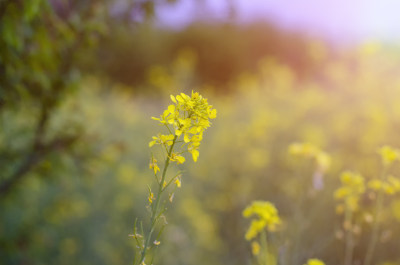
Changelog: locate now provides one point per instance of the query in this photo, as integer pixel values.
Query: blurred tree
(40, 45)
(223, 50)
(43, 47)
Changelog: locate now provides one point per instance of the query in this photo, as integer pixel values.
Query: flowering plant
(188, 117)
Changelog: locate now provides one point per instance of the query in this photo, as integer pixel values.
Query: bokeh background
(79, 81)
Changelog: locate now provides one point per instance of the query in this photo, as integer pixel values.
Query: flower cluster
(322, 159)
(352, 187)
(267, 217)
(188, 117)
(389, 155)
(390, 185)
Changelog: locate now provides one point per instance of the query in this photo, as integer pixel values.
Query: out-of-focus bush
(223, 51)
(349, 110)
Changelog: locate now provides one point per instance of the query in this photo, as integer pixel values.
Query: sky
(351, 20)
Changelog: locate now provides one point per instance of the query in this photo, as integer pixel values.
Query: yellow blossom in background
(255, 248)
(267, 217)
(389, 154)
(321, 158)
(314, 262)
(304, 149)
(352, 187)
(375, 184)
(390, 186)
(394, 184)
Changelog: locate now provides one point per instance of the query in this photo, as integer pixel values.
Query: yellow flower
(314, 262)
(256, 226)
(322, 159)
(350, 191)
(151, 197)
(255, 248)
(375, 184)
(188, 116)
(162, 139)
(390, 186)
(389, 154)
(153, 165)
(394, 183)
(305, 149)
(178, 158)
(178, 182)
(267, 217)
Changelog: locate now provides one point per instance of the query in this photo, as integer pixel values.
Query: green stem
(375, 229)
(154, 209)
(298, 214)
(348, 251)
(264, 247)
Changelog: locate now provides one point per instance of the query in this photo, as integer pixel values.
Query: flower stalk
(385, 184)
(188, 117)
(154, 211)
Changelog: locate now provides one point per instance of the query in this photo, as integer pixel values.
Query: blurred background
(79, 81)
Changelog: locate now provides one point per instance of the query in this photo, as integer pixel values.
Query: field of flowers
(289, 172)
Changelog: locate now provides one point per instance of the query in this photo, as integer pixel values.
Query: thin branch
(33, 159)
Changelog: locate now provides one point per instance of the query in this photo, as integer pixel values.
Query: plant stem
(348, 251)
(154, 209)
(264, 247)
(375, 229)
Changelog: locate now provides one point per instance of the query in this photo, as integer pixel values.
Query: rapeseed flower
(352, 187)
(390, 186)
(255, 248)
(321, 158)
(153, 165)
(267, 218)
(178, 182)
(304, 149)
(389, 154)
(314, 262)
(188, 116)
(151, 197)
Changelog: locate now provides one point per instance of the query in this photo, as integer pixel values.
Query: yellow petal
(186, 138)
(180, 159)
(178, 182)
(195, 155)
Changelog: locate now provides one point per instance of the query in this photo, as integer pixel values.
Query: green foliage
(223, 51)
(78, 147)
